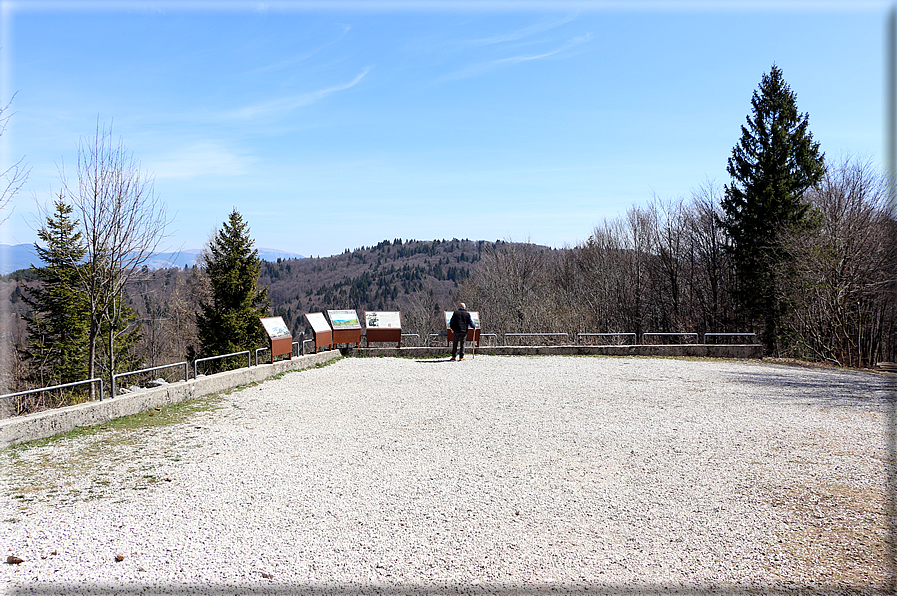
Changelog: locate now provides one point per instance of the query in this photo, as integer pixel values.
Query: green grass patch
(164, 416)
(117, 448)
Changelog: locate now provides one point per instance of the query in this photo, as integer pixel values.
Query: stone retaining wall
(51, 422)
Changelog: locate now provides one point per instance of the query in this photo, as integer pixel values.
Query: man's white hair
(464, 306)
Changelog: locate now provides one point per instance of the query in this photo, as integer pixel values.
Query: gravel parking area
(495, 475)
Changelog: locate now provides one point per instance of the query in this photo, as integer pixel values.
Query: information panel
(472, 334)
(382, 319)
(275, 327)
(346, 327)
(383, 326)
(344, 319)
(279, 336)
(317, 321)
(321, 328)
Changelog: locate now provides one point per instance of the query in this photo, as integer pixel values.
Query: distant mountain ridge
(14, 257)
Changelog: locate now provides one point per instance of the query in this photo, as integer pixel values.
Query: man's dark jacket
(461, 321)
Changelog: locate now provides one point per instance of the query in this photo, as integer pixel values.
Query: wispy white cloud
(293, 60)
(483, 67)
(519, 33)
(198, 159)
(287, 104)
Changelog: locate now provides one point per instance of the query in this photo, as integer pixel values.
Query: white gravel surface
(504, 475)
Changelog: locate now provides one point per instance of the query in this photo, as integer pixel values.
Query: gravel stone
(496, 475)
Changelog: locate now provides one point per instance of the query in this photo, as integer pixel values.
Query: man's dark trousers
(457, 339)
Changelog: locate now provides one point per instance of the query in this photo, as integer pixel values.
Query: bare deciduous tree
(842, 293)
(122, 222)
(14, 176)
(11, 181)
(421, 313)
(510, 287)
(711, 274)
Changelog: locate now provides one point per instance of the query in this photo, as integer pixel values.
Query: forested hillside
(418, 278)
(413, 276)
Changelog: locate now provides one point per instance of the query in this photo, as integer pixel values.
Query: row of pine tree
(58, 325)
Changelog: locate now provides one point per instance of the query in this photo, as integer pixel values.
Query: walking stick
(473, 353)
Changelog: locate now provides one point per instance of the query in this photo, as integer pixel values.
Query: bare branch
(14, 177)
(123, 223)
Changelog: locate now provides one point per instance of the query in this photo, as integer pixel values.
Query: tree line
(795, 247)
(667, 266)
(103, 227)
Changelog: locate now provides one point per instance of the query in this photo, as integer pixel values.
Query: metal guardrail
(248, 359)
(645, 335)
(120, 375)
(63, 386)
(257, 354)
(494, 337)
(633, 335)
(417, 335)
(751, 335)
(297, 349)
(565, 335)
(481, 335)
(432, 335)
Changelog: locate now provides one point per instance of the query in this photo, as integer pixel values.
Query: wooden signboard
(472, 334)
(321, 328)
(279, 336)
(346, 328)
(385, 326)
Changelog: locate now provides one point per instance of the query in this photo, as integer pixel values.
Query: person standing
(459, 324)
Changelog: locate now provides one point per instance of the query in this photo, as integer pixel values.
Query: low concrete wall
(740, 351)
(51, 422)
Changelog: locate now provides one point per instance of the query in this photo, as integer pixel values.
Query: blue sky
(333, 126)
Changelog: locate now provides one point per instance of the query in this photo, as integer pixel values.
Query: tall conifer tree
(58, 323)
(228, 319)
(773, 164)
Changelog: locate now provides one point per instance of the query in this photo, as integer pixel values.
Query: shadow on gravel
(436, 361)
(821, 387)
(446, 589)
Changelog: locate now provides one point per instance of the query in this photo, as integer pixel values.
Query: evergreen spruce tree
(773, 164)
(228, 319)
(58, 323)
